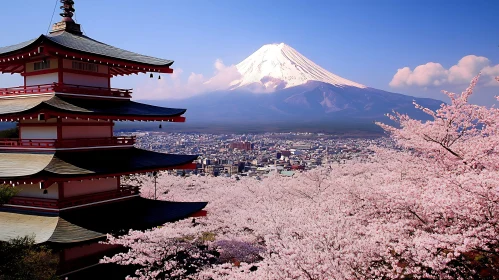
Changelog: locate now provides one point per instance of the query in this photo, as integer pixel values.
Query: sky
(411, 47)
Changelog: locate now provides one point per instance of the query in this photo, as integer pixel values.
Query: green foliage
(207, 237)
(6, 193)
(21, 259)
(10, 133)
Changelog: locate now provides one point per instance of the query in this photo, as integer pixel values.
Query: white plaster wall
(42, 79)
(77, 188)
(33, 190)
(85, 80)
(42, 132)
(74, 132)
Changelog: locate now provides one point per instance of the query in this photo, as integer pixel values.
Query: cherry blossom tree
(428, 209)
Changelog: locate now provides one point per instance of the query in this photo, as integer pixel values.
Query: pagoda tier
(61, 45)
(73, 165)
(54, 105)
(90, 223)
(62, 180)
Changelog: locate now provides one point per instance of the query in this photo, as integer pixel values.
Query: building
(247, 146)
(231, 169)
(66, 162)
(286, 153)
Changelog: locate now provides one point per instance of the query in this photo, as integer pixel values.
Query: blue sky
(362, 40)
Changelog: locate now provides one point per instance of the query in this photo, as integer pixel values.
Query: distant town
(257, 155)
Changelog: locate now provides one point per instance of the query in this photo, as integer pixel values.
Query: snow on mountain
(279, 66)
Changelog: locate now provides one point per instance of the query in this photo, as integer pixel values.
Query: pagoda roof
(84, 44)
(84, 224)
(99, 162)
(105, 108)
(44, 228)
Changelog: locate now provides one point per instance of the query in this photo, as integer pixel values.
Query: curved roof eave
(20, 46)
(68, 164)
(87, 107)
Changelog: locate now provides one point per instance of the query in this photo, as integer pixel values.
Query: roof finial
(67, 23)
(67, 10)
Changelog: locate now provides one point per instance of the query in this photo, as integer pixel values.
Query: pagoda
(66, 163)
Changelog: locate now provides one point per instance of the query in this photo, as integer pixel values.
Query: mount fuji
(279, 66)
(277, 84)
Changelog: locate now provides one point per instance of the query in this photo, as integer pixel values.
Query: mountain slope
(311, 102)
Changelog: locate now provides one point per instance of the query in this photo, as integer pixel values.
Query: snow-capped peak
(277, 66)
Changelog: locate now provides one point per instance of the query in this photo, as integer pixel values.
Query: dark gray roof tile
(85, 44)
(16, 47)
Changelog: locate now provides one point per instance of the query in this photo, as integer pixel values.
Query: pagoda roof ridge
(85, 44)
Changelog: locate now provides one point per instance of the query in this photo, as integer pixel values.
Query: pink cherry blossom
(426, 210)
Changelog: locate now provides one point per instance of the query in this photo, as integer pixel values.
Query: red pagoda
(66, 163)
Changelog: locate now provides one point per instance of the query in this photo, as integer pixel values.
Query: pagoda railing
(27, 90)
(67, 143)
(123, 191)
(67, 88)
(89, 90)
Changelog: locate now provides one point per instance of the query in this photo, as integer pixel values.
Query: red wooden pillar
(61, 189)
(59, 128)
(60, 70)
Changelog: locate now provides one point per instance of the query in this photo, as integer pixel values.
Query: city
(258, 154)
(220, 140)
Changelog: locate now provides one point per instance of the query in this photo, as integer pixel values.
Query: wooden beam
(120, 71)
(40, 72)
(87, 73)
(40, 124)
(18, 69)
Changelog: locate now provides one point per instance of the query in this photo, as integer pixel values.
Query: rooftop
(82, 43)
(70, 164)
(67, 106)
(94, 222)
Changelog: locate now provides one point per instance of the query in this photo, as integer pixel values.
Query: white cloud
(223, 77)
(434, 74)
(174, 87)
